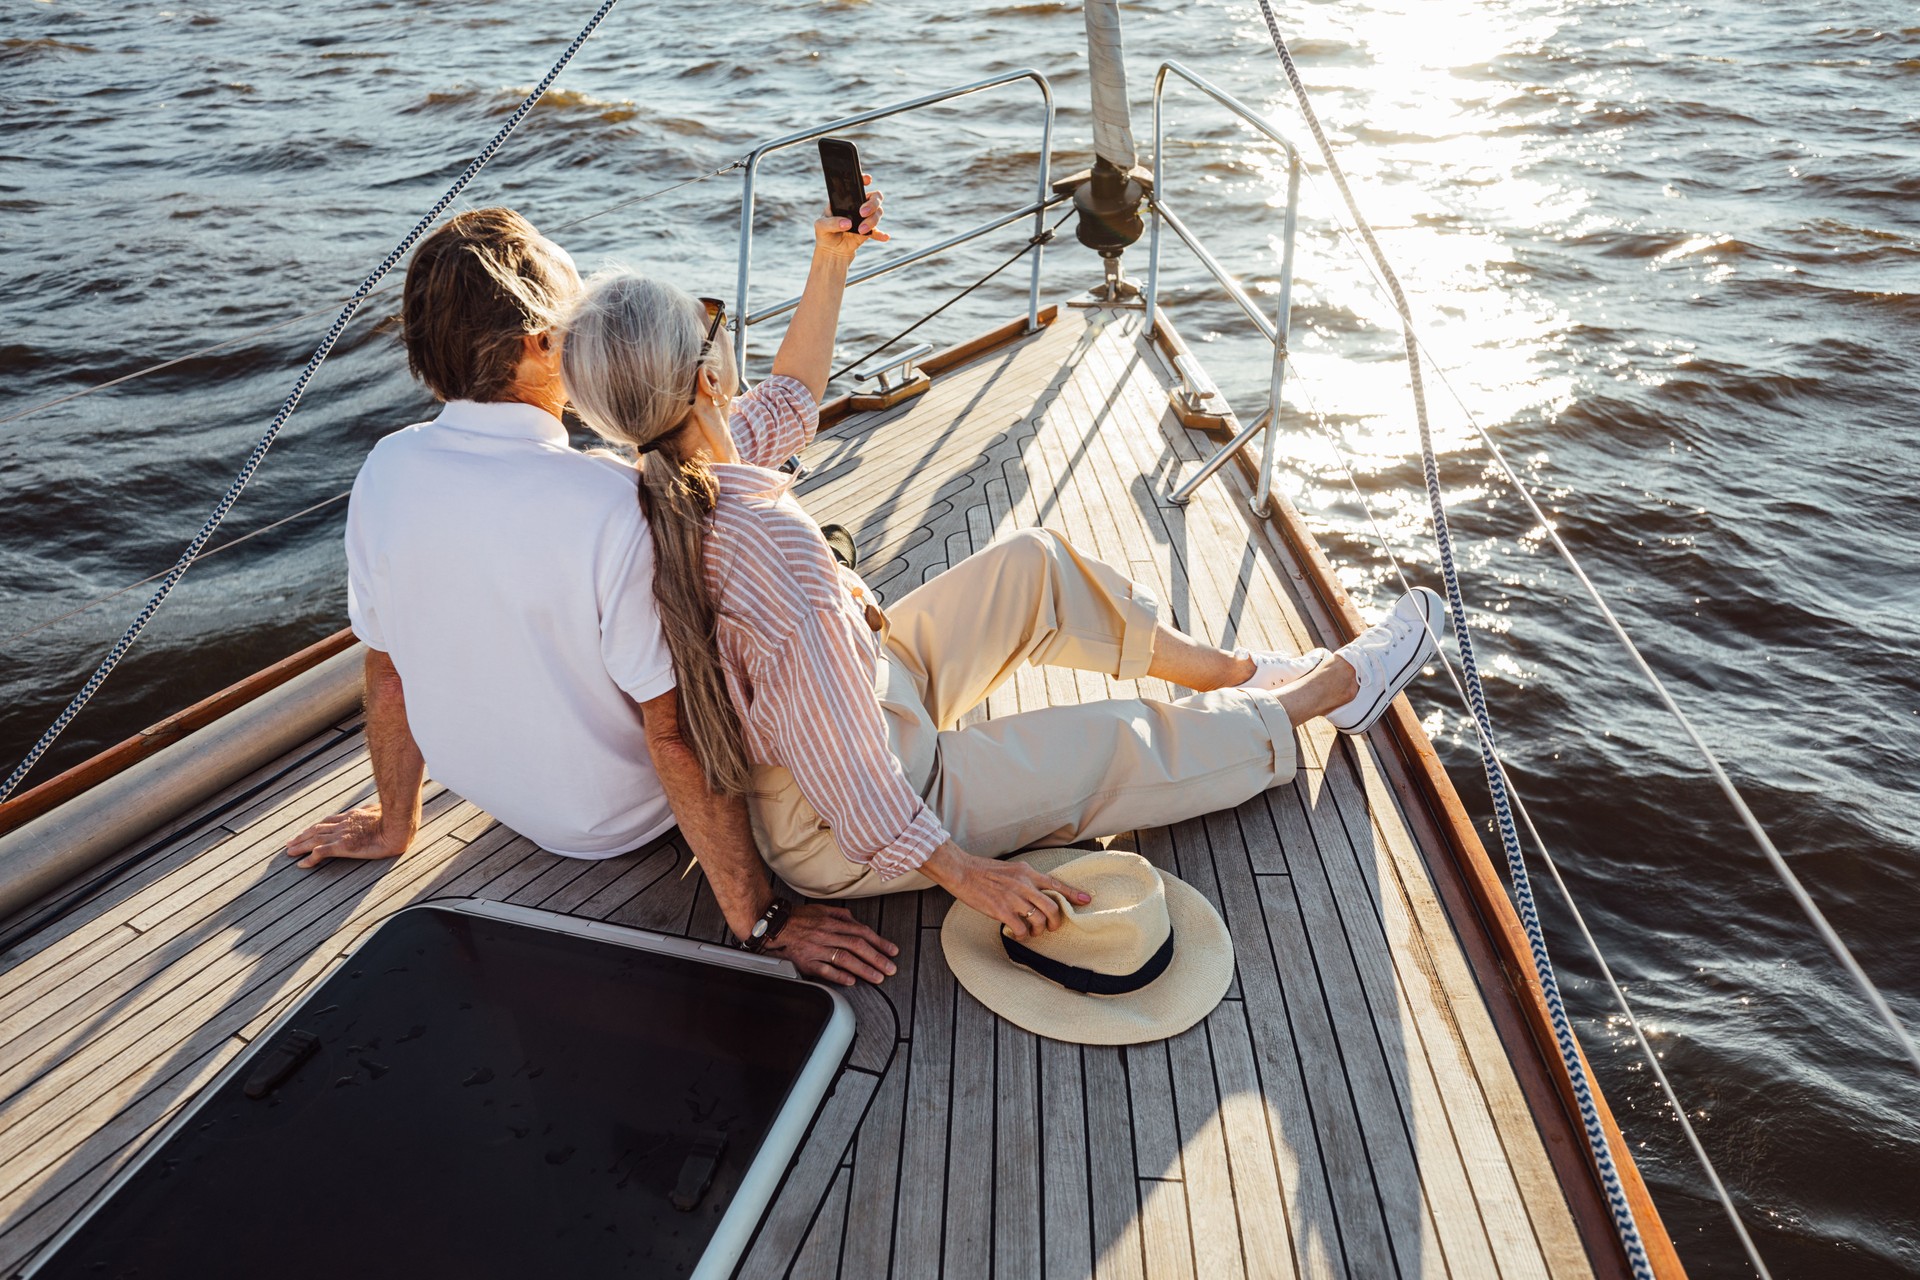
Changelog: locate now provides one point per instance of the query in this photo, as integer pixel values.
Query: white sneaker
(1271, 669)
(1388, 656)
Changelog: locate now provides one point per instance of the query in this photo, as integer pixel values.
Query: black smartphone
(840, 161)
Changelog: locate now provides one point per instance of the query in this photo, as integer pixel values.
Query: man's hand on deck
(358, 833)
(386, 827)
(829, 944)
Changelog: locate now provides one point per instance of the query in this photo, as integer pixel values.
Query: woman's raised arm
(806, 353)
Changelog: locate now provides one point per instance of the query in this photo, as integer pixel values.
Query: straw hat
(1114, 946)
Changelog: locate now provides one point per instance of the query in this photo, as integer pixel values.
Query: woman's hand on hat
(1013, 893)
(839, 238)
(828, 943)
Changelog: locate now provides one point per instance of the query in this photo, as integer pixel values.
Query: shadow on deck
(1348, 1110)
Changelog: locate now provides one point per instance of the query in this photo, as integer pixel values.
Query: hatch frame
(758, 1187)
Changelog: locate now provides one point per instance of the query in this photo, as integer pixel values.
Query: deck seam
(1280, 1127)
(149, 1088)
(262, 913)
(1418, 1030)
(1403, 1103)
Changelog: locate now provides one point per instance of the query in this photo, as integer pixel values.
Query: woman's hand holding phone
(840, 237)
(806, 352)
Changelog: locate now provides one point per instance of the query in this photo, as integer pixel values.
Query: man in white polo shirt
(503, 584)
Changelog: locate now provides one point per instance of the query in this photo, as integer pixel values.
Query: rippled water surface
(1667, 254)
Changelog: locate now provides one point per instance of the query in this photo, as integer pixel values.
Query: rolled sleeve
(361, 617)
(831, 736)
(774, 421)
(912, 847)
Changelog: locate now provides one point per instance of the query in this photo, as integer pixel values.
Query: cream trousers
(1045, 777)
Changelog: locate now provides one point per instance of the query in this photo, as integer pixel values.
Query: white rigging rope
(208, 554)
(259, 451)
(1488, 752)
(278, 325)
(1781, 868)
(1564, 1040)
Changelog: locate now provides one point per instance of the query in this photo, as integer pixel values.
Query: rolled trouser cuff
(1286, 745)
(1140, 619)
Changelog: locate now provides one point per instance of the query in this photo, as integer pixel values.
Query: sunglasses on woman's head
(716, 316)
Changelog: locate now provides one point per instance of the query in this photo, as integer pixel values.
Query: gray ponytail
(627, 358)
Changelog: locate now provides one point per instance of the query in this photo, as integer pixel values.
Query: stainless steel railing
(743, 317)
(1274, 331)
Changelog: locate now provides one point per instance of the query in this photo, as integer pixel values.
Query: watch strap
(768, 926)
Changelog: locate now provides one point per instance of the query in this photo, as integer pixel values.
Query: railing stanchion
(1275, 330)
(1040, 214)
(746, 272)
(1184, 494)
(744, 317)
(1283, 323)
(1153, 212)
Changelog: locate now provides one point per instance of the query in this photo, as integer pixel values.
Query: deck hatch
(487, 1097)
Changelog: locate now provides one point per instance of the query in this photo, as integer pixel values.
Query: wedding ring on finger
(831, 957)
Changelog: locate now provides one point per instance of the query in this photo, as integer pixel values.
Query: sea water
(1666, 254)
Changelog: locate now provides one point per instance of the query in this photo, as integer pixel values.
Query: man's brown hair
(474, 289)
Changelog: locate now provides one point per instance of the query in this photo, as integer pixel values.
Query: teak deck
(1348, 1110)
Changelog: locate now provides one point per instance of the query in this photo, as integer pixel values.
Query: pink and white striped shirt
(799, 654)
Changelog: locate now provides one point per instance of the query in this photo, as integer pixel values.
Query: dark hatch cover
(486, 1098)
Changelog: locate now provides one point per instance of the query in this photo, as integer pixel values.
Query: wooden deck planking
(1066, 1220)
(818, 1164)
(1264, 1234)
(967, 1243)
(1412, 917)
(101, 913)
(1113, 1187)
(867, 1248)
(1018, 1132)
(164, 840)
(1339, 884)
(1203, 1149)
(819, 1255)
(1348, 1110)
(921, 1199)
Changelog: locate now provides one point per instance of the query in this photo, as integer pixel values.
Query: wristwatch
(768, 926)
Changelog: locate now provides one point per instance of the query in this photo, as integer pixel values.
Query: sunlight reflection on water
(1665, 252)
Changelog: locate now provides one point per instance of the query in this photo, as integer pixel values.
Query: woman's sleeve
(832, 737)
(774, 421)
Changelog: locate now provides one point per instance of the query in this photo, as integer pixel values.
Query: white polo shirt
(510, 578)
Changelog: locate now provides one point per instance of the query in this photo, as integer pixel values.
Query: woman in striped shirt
(837, 721)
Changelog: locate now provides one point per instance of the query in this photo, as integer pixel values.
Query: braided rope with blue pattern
(259, 453)
(1477, 701)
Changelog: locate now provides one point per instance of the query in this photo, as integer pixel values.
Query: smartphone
(840, 161)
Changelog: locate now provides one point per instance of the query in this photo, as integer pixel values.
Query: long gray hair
(628, 358)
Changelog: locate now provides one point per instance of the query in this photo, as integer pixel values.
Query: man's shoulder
(404, 440)
(569, 474)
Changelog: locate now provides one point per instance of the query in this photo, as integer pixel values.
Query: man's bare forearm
(715, 826)
(399, 770)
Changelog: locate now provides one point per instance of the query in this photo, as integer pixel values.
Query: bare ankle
(1331, 685)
